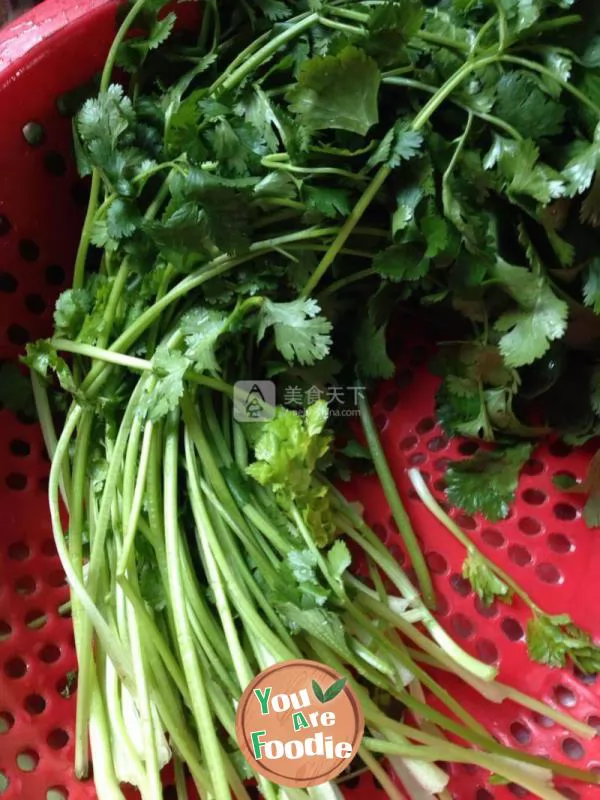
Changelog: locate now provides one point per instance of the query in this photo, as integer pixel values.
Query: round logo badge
(299, 724)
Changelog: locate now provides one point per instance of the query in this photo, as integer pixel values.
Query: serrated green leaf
(487, 482)
(518, 164)
(555, 640)
(337, 92)
(371, 351)
(485, 583)
(398, 145)
(540, 319)
(329, 201)
(521, 103)
(42, 357)
(202, 328)
(170, 367)
(401, 262)
(338, 559)
(72, 307)
(391, 26)
(303, 565)
(301, 333)
(325, 626)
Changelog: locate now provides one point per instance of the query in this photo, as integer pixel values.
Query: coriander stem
(554, 24)
(438, 512)
(192, 669)
(449, 752)
(265, 53)
(351, 222)
(382, 174)
(202, 520)
(446, 90)
(46, 420)
(390, 490)
(138, 496)
(86, 231)
(95, 378)
(101, 354)
(510, 693)
(349, 279)
(410, 83)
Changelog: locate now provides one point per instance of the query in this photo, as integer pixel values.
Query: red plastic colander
(545, 544)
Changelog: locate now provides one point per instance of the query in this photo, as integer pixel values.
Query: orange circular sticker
(299, 724)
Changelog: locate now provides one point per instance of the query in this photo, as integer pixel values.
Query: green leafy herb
(556, 640)
(486, 584)
(487, 482)
(337, 92)
(301, 333)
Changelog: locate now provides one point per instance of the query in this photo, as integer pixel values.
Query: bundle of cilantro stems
(267, 191)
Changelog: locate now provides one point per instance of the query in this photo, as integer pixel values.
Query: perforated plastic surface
(545, 544)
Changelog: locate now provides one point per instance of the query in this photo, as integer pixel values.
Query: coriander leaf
(401, 262)
(322, 625)
(391, 26)
(541, 318)
(555, 640)
(518, 164)
(485, 583)
(529, 331)
(288, 450)
(16, 393)
(122, 219)
(70, 312)
(561, 67)
(301, 334)
(274, 9)
(407, 201)
(202, 328)
(521, 103)
(460, 409)
(398, 145)
(591, 485)
(303, 565)
(337, 92)
(329, 201)
(133, 51)
(581, 169)
(436, 232)
(181, 236)
(487, 482)
(225, 206)
(41, 357)
(106, 116)
(339, 559)
(371, 350)
(164, 394)
(70, 684)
